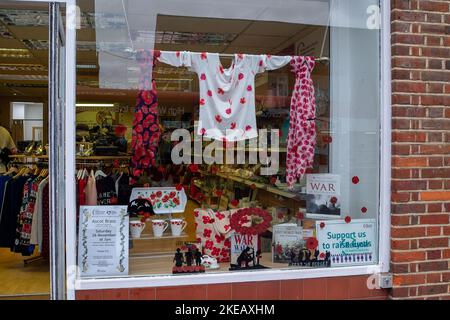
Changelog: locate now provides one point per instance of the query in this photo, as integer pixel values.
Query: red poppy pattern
(302, 127)
(215, 244)
(146, 131)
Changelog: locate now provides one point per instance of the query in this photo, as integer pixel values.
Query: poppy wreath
(244, 215)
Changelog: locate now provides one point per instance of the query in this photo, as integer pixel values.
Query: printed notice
(103, 241)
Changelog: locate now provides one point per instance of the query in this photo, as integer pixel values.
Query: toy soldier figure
(178, 258)
(189, 256)
(198, 257)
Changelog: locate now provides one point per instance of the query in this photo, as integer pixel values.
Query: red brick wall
(338, 288)
(420, 149)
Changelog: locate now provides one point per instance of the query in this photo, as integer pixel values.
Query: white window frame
(73, 283)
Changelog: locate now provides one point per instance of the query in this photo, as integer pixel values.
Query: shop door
(57, 107)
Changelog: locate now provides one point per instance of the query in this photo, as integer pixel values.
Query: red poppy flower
(249, 88)
(242, 101)
(228, 111)
(220, 91)
(312, 243)
(233, 125)
(234, 202)
(202, 102)
(348, 219)
(172, 194)
(363, 209)
(219, 193)
(203, 76)
(193, 168)
(248, 128)
(333, 200)
(179, 187)
(203, 55)
(202, 131)
(176, 201)
(240, 76)
(209, 93)
(322, 255)
(218, 118)
(355, 179)
(322, 225)
(165, 198)
(158, 194)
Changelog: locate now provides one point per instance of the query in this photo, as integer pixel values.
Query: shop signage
(103, 241)
(349, 244)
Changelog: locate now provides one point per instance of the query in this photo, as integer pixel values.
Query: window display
(237, 151)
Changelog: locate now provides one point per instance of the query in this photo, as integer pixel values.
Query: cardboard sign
(349, 244)
(103, 241)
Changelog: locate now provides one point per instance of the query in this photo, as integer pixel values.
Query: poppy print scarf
(146, 130)
(301, 139)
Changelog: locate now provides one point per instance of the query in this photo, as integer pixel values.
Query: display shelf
(150, 237)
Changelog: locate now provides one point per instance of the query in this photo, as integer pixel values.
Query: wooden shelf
(150, 237)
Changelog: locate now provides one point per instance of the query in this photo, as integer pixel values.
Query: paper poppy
(234, 202)
(355, 179)
(363, 209)
(322, 225)
(322, 255)
(348, 219)
(333, 200)
(312, 243)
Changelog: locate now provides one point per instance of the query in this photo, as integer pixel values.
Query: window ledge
(229, 277)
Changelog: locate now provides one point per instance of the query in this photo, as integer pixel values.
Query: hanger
(100, 173)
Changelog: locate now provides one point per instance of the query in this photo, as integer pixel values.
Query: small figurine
(188, 255)
(178, 258)
(245, 257)
(198, 257)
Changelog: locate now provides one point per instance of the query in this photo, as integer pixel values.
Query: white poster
(349, 244)
(103, 241)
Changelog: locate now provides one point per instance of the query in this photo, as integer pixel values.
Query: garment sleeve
(264, 62)
(177, 59)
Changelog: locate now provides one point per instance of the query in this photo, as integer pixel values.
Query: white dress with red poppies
(227, 96)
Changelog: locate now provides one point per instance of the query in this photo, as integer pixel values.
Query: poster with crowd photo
(348, 243)
(323, 196)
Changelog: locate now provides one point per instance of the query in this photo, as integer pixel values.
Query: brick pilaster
(420, 253)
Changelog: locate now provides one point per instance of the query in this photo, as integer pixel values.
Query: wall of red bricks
(337, 288)
(420, 149)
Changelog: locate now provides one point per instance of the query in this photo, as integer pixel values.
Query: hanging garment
(106, 191)
(45, 223)
(36, 228)
(25, 217)
(3, 181)
(146, 131)
(301, 139)
(10, 210)
(227, 96)
(81, 191)
(91, 190)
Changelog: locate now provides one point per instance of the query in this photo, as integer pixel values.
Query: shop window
(227, 136)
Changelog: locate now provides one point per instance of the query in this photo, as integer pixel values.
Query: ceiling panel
(257, 41)
(37, 33)
(190, 24)
(273, 29)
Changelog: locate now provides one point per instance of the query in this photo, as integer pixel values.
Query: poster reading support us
(103, 241)
(350, 243)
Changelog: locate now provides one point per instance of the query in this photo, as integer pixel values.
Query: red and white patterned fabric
(213, 232)
(301, 139)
